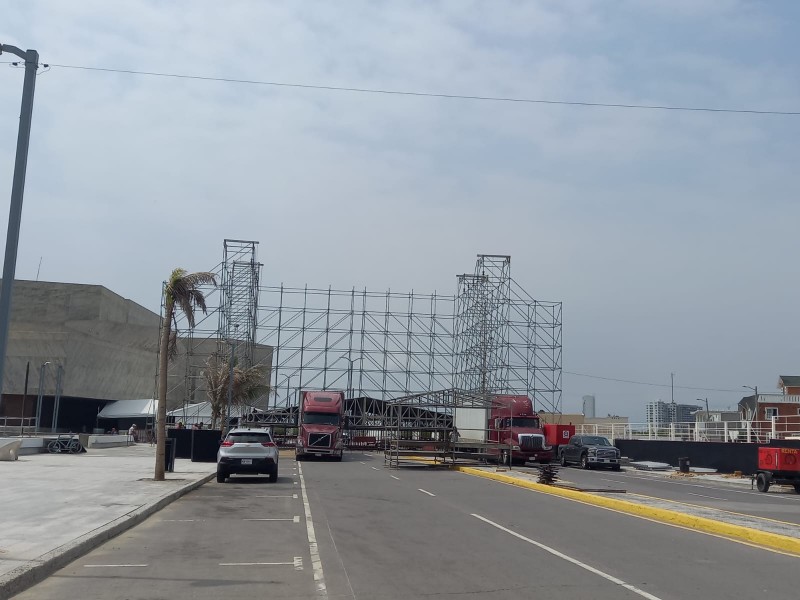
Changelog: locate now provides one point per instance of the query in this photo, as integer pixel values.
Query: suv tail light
(268, 444)
(227, 444)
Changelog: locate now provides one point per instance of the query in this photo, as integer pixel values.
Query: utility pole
(31, 58)
(672, 387)
(230, 380)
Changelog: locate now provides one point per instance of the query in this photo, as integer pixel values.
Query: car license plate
(247, 461)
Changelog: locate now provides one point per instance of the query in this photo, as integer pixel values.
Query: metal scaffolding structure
(238, 311)
(492, 337)
(505, 341)
(373, 345)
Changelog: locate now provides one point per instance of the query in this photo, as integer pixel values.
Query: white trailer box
(471, 424)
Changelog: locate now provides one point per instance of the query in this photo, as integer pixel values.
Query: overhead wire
(446, 96)
(664, 385)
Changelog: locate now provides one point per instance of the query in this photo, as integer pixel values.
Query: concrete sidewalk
(54, 507)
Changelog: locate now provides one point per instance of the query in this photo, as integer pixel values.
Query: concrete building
(105, 348)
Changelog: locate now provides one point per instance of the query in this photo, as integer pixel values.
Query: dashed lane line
(426, 492)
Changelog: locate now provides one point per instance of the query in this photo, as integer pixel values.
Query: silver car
(247, 450)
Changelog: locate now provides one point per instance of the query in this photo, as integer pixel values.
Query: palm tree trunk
(161, 413)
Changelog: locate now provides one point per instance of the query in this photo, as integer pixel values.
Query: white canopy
(201, 412)
(127, 409)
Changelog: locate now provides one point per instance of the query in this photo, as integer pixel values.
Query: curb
(773, 541)
(39, 569)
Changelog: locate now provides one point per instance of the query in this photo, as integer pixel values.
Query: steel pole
(230, 389)
(24, 400)
(31, 58)
(57, 399)
(39, 396)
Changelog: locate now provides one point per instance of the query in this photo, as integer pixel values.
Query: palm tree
(249, 383)
(181, 291)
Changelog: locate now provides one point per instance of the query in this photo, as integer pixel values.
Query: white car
(247, 450)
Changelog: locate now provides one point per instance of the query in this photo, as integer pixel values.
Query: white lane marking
(375, 468)
(101, 566)
(297, 563)
(393, 477)
(316, 562)
(569, 559)
(426, 492)
(361, 463)
(295, 519)
(181, 520)
(703, 496)
(284, 496)
(294, 482)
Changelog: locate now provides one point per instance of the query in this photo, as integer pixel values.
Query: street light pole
(31, 58)
(39, 396)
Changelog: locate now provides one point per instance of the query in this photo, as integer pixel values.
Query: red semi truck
(320, 424)
(509, 431)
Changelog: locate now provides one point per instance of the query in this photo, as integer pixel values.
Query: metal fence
(760, 432)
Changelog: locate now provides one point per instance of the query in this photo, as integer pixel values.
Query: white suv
(247, 450)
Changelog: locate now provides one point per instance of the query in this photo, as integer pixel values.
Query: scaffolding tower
(238, 315)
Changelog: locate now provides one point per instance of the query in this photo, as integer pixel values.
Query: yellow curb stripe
(738, 532)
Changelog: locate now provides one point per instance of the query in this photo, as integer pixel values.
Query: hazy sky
(670, 237)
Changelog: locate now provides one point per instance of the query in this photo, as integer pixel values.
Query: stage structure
(492, 337)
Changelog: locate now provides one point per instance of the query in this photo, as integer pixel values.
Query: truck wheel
(585, 462)
(616, 468)
(797, 487)
(762, 482)
(563, 460)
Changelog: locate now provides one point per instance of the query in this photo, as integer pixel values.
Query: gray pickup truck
(590, 451)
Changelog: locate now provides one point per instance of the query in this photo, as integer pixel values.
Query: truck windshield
(530, 422)
(596, 440)
(321, 418)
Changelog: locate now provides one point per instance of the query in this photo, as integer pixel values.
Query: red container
(558, 435)
(771, 458)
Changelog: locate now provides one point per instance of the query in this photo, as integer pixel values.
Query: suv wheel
(273, 477)
(585, 462)
(221, 476)
(563, 459)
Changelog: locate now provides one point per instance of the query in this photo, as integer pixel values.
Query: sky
(671, 237)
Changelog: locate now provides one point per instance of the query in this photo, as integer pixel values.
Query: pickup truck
(590, 451)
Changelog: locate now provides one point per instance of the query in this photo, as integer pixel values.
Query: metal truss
(238, 315)
(372, 345)
(505, 341)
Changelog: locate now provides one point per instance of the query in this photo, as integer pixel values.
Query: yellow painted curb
(753, 536)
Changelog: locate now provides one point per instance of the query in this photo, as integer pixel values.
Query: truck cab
(517, 430)
(320, 424)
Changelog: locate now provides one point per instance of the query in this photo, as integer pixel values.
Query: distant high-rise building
(588, 406)
(660, 413)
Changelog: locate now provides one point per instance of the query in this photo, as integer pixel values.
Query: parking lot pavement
(243, 538)
(55, 503)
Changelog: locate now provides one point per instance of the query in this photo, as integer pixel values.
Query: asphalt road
(780, 503)
(414, 533)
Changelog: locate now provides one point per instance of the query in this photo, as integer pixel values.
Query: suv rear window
(246, 437)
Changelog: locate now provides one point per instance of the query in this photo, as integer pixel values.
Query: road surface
(386, 534)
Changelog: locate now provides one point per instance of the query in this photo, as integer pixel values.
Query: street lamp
(39, 397)
(31, 58)
(755, 392)
(230, 379)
